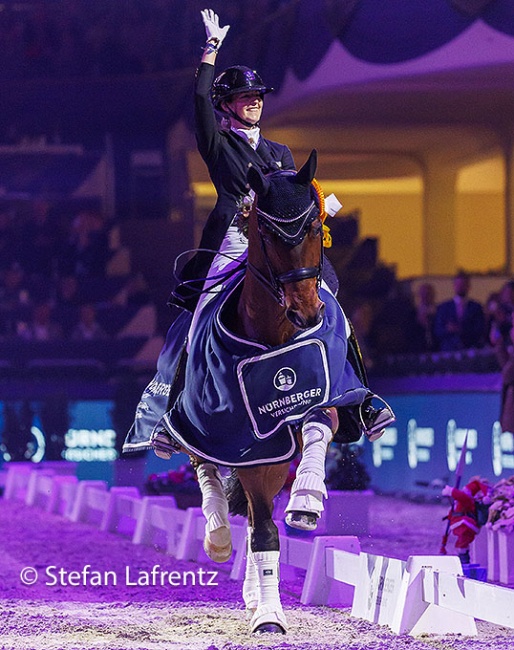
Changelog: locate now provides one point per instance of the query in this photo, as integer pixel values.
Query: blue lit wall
(426, 441)
(433, 415)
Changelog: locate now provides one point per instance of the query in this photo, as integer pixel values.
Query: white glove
(447, 491)
(212, 26)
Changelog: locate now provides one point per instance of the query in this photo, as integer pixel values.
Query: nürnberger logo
(285, 379)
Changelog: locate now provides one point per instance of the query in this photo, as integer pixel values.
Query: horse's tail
(237, 501)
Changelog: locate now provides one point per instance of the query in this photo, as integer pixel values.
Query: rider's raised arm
(206, 128)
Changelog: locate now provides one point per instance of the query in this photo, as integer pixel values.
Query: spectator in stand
(39, 241)
(15, 299)
(7, 240)
(503, 347)
(86, 251)
(425, 315)
(498, 320)
(507, 296)
(88, 328)
(460, 322)
(394, 326)
(67, 303)
(42, 326)
(135, 293)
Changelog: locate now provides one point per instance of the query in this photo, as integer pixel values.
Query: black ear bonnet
(287, 202)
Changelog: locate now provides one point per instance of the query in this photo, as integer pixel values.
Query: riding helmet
(234, 80)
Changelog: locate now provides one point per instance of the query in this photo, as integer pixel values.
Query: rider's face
(248, 106)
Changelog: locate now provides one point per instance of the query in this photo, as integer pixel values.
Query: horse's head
(286, 221)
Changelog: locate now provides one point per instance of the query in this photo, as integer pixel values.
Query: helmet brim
(264, 90)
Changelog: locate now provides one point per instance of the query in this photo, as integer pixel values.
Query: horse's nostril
(304, 322)
(294, 316)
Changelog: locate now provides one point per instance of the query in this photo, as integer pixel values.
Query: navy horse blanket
(241, 402)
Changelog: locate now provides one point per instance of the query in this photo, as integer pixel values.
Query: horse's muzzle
(305, 321)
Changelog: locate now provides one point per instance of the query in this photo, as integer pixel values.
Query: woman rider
(238, 93)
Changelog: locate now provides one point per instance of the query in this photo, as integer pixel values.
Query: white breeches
(233, 251)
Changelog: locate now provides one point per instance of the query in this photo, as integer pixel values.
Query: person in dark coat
(505, 355)
(459, 323)
(229, 146)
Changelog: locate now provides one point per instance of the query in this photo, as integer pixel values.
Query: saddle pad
(283, 385)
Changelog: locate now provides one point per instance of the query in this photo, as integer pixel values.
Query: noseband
(275, 282)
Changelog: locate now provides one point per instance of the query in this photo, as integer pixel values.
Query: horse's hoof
(218, 544)
(302, 520)
(269, 628)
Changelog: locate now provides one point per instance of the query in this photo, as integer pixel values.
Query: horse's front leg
(261, 484)
(308, 490)
(218, 540)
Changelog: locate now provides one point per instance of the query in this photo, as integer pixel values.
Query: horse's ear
(308, 171)
(257, 181)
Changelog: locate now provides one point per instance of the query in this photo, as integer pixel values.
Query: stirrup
(163, 445)
(383, 418)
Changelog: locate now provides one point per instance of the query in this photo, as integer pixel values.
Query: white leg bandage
(251, 581)
(217, 543)
(309, 488)
(269, 609)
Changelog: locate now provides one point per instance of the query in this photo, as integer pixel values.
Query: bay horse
(277, 346)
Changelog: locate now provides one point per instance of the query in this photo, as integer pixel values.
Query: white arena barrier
(122, 510)
(505, 557)
(493, 565)
(51, 492)
(18, 475)
(415, 615)
(478, 549)
(480, 600)
(158, 523)
(38, 484)
(65, 499)
(16, 481)
(190, 537)
(319, 588)
(424, 595)
(91, 499)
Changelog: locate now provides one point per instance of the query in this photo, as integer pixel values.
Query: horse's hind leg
(251, 579)
(308, 490)
(218, 540)
(261, 484)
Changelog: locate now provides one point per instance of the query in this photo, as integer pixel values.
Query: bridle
(274, 282)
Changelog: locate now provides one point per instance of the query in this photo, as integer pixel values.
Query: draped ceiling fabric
(274, 36)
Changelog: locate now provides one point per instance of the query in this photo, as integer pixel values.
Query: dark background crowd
(55, 281)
